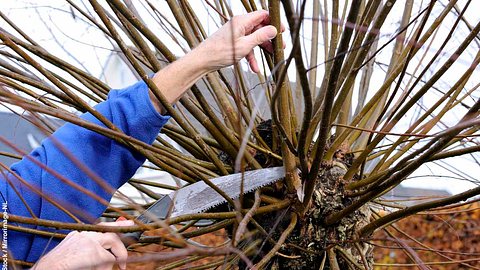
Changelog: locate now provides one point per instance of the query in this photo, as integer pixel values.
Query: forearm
(175, 79)
(233, 41)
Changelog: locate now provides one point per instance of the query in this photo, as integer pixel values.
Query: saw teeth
(202, 210)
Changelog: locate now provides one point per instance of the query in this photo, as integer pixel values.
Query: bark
(316, 239)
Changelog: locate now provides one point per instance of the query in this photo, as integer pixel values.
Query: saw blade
(199, 197)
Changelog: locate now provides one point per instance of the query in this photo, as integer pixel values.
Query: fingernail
(272, 32)
(121, 218)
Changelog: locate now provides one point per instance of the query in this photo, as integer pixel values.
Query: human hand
(87, 250)
(236, 39)
(232, 42)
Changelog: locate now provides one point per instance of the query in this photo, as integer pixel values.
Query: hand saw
(199, 197)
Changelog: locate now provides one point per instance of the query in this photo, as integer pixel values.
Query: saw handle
(131, 238)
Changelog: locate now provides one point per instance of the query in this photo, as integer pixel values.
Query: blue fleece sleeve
(129, 109)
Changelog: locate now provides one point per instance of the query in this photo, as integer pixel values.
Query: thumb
(118, 223)
(262, 35)
(124, 223)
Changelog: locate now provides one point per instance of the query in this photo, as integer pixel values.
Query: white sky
(88, 48)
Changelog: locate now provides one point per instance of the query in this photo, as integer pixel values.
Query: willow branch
(280, 242)
(328, 103)
(291, 176)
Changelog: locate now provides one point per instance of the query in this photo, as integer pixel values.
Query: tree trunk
(312, 242)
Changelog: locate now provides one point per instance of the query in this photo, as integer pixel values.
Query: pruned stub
(315, 238)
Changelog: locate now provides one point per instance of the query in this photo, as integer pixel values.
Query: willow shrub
(366, 95)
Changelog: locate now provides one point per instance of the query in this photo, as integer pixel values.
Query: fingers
(242, 34)
(69, 235)
(87, 250)
(255, 20)
(105, 261)
(261, 36)
(250, 20)
(112, 241)
(268, 45)
(118, 223)
(124, 223)
(252, 62)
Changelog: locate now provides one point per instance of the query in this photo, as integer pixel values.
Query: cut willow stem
(73, 226)
(223, 136)
(358, 247)
(58, 62)
(157, 43)
(211, 78)
(359, 50)
(360, 55)
(212, 228)
(186, 143)
(214, 264)
(454, 153)
(182, 262)
(138, 40)
(191, 13)
(146, 191)
(19, 30)
(28, 92)
(37, 45)
(456, 90)
(312, 75)
(223, 130)
(153, 184)
(329, 56)
(10, 155)
(182, 23)
(16, 75)
(175, 129)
